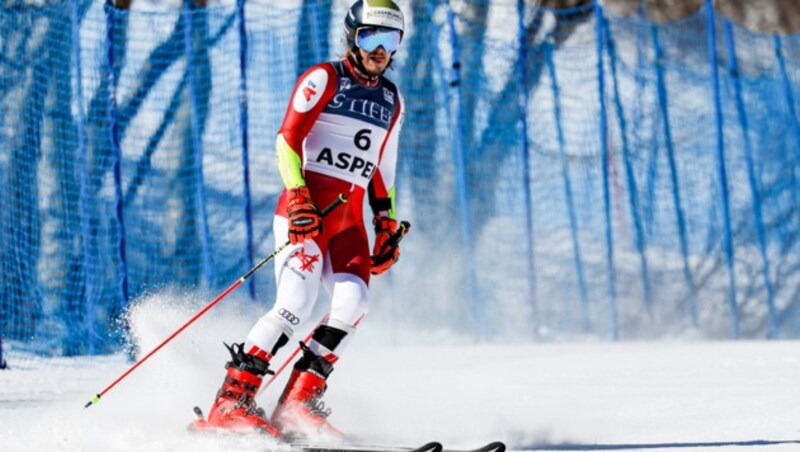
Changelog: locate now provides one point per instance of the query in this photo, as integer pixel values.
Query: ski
(200, 425)
(494, 446)
(429, 447)
(434, 446)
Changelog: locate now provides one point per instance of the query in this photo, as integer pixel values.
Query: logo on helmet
(383, 17)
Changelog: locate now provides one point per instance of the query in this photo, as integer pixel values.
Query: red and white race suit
(339, 136)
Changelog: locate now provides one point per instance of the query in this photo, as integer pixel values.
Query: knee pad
(329, 340)
(329, 336)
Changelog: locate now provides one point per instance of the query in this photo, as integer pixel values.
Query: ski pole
(94, 400)
(296, 351)
(393, 241)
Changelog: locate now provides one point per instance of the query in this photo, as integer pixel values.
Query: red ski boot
(300, 412)
(235, 407)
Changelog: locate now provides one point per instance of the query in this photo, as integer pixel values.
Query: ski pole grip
(402, 230)
(341, 199)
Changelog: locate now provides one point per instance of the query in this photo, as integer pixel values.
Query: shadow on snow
(633, 446)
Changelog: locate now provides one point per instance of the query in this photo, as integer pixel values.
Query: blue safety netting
(567, 172)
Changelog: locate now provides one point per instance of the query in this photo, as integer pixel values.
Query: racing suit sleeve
(312, 92)
(381, 186)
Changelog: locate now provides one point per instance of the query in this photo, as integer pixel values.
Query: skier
(339, 136)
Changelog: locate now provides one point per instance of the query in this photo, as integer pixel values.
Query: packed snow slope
(409, 387)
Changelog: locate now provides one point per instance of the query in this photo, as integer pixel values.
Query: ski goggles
(370, 38)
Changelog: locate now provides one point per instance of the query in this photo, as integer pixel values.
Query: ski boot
(300, 413)
(235, 407)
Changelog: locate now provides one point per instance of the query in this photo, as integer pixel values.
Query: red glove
(305, 221)
(384, 254)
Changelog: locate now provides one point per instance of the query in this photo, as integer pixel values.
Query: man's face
(375, 62)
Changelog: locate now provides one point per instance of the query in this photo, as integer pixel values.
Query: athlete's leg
(346, 280)
(298, 270)
(297, 411)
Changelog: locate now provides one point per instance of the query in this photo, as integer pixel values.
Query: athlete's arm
(313, 91)
(290, 164)
(381, 187)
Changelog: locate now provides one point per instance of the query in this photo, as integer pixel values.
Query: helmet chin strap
(358, 64)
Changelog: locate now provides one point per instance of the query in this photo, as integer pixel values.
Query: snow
(410, 387)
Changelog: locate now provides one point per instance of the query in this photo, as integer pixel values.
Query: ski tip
(433, 446)
(497, 446)
(200, 424)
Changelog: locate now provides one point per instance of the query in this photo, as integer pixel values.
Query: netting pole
(790, 105)
(4, 169)
(733, 72)
(244, 130)
(573, 218)
(83, 171)
(603, 36)
(116, 151)
(630, 176)
(723, 174)
(524, 149)
(663, 105)
(462, 180)
(197, 142)
(316, 36)
(651, 148)
(3, 364)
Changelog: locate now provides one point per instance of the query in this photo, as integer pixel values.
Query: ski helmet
(375, 13)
